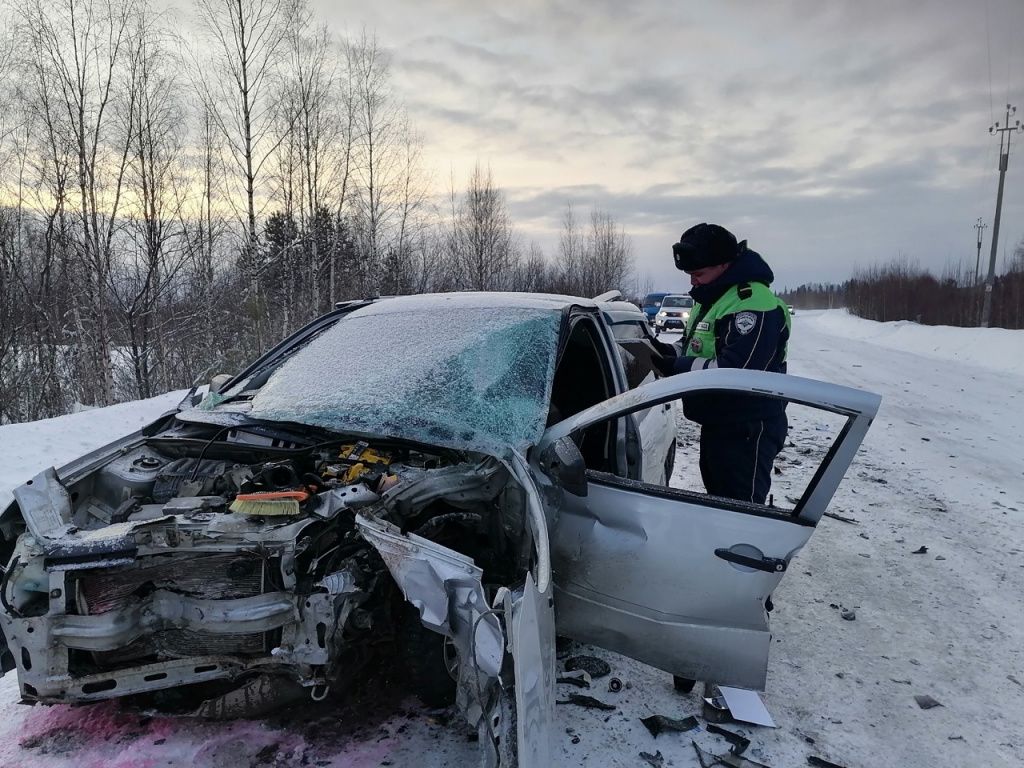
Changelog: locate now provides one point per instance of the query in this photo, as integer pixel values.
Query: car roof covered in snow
(617, 311)
(474, 300)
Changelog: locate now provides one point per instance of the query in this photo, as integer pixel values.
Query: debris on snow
(842, 518)
(614, 685)
(923, 550)
(658, 724)
(592, 665)
(579, 678)
(746, 706)
(820, 762)
(739, 743)
(708, 760)
(587, 702)
(848, 614)
(925, 701)
(656, 760)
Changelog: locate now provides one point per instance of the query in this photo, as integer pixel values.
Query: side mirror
(219, 381)
(564, 464)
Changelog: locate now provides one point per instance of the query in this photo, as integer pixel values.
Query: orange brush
(269, 503)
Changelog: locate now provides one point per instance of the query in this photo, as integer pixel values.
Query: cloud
(833, 133)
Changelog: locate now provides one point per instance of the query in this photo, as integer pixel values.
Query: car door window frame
(859, 408)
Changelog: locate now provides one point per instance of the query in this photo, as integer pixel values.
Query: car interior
(582, 379)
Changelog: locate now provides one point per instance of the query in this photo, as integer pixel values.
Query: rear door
(678, 579)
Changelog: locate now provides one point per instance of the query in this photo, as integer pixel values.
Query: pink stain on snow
(121, 738)
(105, 736)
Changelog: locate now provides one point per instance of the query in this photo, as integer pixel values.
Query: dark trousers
(736, 459)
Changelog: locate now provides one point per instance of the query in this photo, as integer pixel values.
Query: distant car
(674, 313)
(792, 309)
(329, 510)
(651, 305)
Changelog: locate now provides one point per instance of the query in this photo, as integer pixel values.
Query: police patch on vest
(745, 322)
(697, 345)
(703, 325)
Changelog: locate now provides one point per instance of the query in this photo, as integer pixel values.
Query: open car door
(673, 578)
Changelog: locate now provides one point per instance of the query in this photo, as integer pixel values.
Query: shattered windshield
(475, 378)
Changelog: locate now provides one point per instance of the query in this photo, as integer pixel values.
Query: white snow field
(943, 467)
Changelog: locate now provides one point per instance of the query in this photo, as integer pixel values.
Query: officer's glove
(665, 350)
(666, 366)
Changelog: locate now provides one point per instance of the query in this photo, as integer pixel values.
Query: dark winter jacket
(737, 322)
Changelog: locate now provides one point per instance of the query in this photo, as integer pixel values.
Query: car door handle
(768, 564)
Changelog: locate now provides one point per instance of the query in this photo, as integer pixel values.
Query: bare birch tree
(376, 165)
(246, 40)
(79, 48)
(608, 261)
(571, 246)
(153, 253)
(483, 243)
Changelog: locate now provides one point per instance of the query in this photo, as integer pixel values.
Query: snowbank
(997, 349)
(26, 449)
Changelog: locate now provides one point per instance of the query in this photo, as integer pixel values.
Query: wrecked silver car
(429, 482)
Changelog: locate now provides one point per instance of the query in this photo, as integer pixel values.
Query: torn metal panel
(533, 650)
(445, 587)
(45, 505)
(351, 496)
(459, 485)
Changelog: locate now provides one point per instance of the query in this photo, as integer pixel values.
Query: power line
(1005, 133)
(977, 262)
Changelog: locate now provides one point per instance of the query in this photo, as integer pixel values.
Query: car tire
(423, 653)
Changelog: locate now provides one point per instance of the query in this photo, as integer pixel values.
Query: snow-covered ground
(943, 467)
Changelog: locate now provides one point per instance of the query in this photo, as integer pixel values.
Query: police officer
(736, 322)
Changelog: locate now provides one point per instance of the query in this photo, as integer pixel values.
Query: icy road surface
(943, 467)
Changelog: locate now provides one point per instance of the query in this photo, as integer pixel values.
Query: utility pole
(977, 261)
(1005, 132)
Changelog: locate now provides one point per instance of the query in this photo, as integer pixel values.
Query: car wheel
(429, 660)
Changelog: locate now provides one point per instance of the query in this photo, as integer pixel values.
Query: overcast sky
(829, 134)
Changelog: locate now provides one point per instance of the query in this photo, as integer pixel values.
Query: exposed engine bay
(246, 574)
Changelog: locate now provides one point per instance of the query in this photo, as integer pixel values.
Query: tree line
(171, 208)
(904, 290)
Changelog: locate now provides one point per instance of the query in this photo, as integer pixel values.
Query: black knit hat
(705, 245)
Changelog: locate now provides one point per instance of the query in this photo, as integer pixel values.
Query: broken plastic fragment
(587, 702)
(656, 760)
(658, 724)
(708, 760)
(925, 701)
(739, 743)
(579, 678)
(592, 665)
(821, 762)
